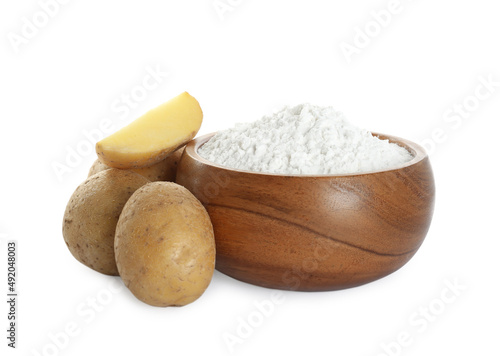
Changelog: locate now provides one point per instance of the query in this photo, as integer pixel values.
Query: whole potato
(92, 213)
(164, 245)
(97, 167)
(162, 171)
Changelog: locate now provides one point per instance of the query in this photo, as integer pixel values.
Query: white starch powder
(304, 139)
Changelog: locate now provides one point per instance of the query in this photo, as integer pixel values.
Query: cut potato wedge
(151, 137)
(164, 170)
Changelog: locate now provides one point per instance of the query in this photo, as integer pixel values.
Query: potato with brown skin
(164, 245)
(161, 171)
(97, 167)
(92, 213)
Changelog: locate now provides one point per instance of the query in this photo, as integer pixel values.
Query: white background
(64, 78)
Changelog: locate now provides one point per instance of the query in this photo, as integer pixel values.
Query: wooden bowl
(313, 233)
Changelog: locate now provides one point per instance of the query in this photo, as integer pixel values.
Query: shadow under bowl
(313, 233)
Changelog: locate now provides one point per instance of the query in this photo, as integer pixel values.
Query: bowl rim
(416, 150)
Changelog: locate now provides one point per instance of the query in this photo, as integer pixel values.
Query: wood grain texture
(313, 233)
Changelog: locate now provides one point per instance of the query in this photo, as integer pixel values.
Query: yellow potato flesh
(151, 137)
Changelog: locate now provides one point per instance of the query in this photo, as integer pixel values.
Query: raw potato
(161, 171)
(164, 245)
(97, 167)
(150, 138)
(92, 213)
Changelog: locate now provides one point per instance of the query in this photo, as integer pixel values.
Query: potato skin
(162, 171)
(92, 213)
(164, 245)
(97, 167)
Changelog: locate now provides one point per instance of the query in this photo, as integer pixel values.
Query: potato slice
(151, 137)
(164, 170)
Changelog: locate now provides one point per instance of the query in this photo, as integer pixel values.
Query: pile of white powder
(304, 139)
